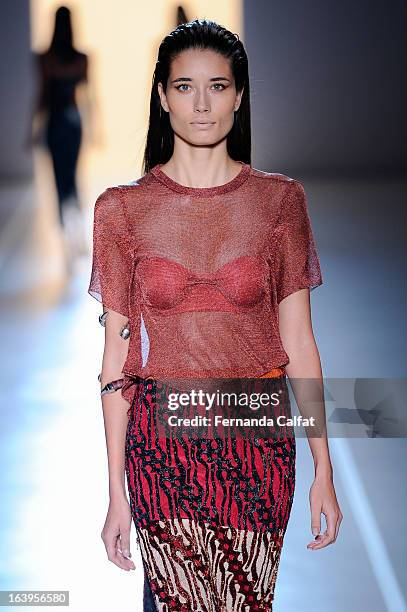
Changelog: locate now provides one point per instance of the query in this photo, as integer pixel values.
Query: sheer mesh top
(199, 272)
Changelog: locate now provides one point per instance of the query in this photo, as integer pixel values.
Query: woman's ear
(239, 99)
(163, 97)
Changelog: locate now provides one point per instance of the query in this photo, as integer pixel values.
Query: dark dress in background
(63, 127)
(63, 138)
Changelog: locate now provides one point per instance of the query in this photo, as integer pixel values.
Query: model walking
(57, 121)
(204, 267)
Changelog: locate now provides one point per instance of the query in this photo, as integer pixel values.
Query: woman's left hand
(323, 500)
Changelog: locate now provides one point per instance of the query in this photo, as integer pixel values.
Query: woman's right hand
(116, 533)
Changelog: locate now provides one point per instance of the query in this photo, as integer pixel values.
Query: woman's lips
(205, 124)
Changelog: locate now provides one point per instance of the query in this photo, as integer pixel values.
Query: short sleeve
(296, 262)
(111, 257)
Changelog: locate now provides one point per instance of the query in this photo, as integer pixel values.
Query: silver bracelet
(124, 332)
(102, 318)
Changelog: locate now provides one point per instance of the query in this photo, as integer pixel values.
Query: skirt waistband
(140, 382)
(274, 373)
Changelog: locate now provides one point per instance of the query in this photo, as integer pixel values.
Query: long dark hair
(198, 34)
(62, 38)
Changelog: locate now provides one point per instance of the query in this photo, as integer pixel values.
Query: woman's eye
(216, 85)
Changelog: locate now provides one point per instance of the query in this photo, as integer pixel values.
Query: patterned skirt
(210, 513)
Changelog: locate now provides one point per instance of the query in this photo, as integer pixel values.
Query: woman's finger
(125, 542)
(120, 547)
(329, 534)
(338, 523)
(113, 553)
(315, 520)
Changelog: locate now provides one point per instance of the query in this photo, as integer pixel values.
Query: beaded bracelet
(112, 386)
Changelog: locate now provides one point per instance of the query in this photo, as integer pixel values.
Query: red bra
(167, 285)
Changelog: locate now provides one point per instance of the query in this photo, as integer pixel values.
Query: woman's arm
(115, 407)
(89, 106)
(37, 112)
(305, 374)
(112, 264)
(299, 343)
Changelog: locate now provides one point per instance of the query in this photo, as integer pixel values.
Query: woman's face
(201, 96)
